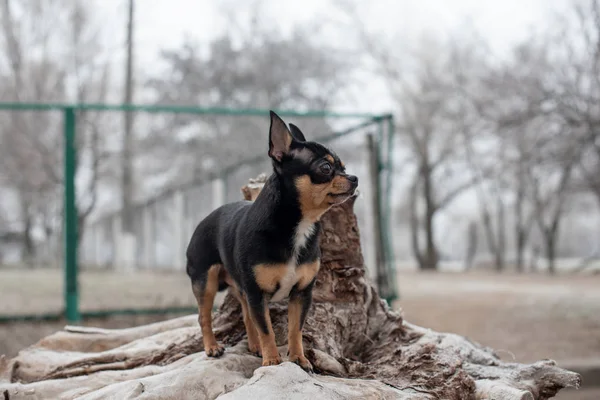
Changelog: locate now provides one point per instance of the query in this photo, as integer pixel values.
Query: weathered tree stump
(351, 335)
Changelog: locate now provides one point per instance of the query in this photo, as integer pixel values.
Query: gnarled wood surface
(350, 335)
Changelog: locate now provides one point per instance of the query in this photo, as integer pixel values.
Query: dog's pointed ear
(297, 133)
(280, 138)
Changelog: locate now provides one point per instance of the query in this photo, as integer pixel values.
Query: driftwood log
(358, 346)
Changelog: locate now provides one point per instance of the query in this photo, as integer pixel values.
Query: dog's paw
(271, 361)
(214, 350)
(302, 362)
(255, 349)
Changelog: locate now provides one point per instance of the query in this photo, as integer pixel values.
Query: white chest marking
(303, 231)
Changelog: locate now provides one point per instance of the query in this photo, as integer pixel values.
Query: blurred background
(492, 171)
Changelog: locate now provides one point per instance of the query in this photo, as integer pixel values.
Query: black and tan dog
(268, 250)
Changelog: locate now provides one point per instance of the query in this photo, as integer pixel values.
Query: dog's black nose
(353, 179)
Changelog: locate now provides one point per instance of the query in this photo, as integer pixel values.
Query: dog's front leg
(300, 302)
(259, 312)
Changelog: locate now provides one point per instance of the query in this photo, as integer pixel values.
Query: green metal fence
(383, 125)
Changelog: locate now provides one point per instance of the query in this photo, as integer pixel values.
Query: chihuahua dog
(268, 250)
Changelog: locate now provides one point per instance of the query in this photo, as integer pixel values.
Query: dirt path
(525, 317)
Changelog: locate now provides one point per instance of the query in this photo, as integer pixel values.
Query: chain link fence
(186, 161)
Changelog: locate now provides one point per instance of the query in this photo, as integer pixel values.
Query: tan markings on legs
(307, 272)
(205, 299)
(253, 342)
(267, 340)
(295, 348)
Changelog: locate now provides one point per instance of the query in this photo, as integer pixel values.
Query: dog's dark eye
(326, 168)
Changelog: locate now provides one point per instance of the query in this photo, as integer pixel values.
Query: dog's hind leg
(205, 284)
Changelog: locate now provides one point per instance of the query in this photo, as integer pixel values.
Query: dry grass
(38, 291)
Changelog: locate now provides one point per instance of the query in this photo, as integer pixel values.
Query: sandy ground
(583, 394)
(524, 318)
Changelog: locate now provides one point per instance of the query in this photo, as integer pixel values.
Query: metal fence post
(70, 218)
(384, 212)
(391, 130)
(379, 240)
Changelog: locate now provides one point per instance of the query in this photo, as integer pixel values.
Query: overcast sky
(164, 24)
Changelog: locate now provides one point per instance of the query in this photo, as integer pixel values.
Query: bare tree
(471, 245)
(31, 157)
(493, 224)
(253, 65)
(537, 148)
(554, 78)
(487, 165)
(90, 69)
(549, 212)
(431, 132)
(537, 112)
(422, 84)
(578, 97)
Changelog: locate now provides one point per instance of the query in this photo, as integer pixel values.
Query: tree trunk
(534, 259)
(519, 229)
(551, 253)
(551, 241)
(414, 223)
(28, 243)
(471, 245)
(350, 333)
(520, 249)
(501, 236)
(522, 226)
(551, 230)
(492, 238)
(431, 255)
